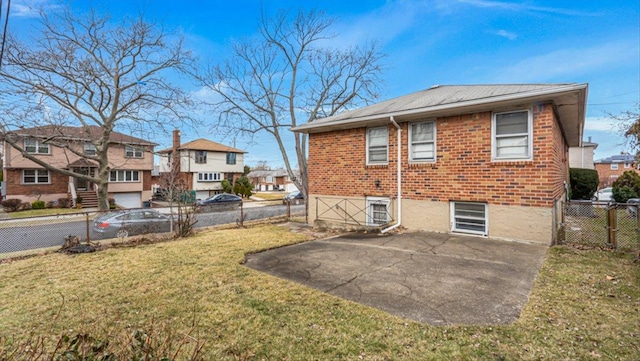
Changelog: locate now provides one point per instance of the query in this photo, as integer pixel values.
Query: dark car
(295, 197)
(120, 224)
(222, 198)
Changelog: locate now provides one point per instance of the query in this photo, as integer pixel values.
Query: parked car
(295, 197)
(604, 194)
(632, 206)
(119, 224)
(222, 198)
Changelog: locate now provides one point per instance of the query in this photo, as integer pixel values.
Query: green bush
(243, 187)
(226, 186)
(38, 204)
(584, 183)
(626, 186)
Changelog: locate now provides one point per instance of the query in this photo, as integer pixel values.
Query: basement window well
(469, 217)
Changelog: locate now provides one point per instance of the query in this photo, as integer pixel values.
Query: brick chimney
(175, 162)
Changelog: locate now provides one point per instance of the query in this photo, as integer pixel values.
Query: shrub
(226, 186)
(24, 206)
(52, 204)
(11, 205)
(38, 204)
(64, 202)
(626, 186)
(112, 203)
(584, 183)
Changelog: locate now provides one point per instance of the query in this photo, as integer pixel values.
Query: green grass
(592, 231)
(42, 212)
(584, 305)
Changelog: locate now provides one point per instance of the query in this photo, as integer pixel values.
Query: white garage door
(128, 200)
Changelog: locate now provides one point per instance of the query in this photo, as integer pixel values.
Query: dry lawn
(585, 305)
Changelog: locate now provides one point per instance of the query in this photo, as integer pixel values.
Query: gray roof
(463, 99)
(621, 158)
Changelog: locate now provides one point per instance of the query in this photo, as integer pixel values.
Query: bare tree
(290, 76)
(85, 70)
(628, 123)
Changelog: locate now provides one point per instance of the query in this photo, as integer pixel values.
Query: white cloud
(518, 7)
(31, 8)
(566, 63)
(600, 124)
(506, 34)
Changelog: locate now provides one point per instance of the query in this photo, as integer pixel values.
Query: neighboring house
(202, 164)
(609, 169)
(271, 180)
(582, 156)
(487, 160)
(130, 159)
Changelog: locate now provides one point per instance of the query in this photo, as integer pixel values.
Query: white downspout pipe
(398, 177)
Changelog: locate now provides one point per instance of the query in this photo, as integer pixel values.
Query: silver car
(120, 224)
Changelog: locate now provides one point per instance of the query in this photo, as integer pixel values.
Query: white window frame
(529, 135)
(413, 143)
(386, 146)
(200, 156)
(35, 146)
(209, 177)
(614, 166)
(37, 174)
(268, 179)
(124, 176)
(455, 218)
(89, 148)
(133, 152)
(370, 202)
(627, 165)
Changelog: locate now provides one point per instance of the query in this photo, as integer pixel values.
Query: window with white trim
(89, 149)
(377, 145)
(422, 142)
(124, 176)
(614, 166)
(512, 135)
(201, 156)
(35, 176)
(132, 152)
(269, 179)
(467, 217)
(35, 146)
(209, 177)
(377, 211)
(627, 165)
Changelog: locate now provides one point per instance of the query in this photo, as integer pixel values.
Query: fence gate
(599, 224)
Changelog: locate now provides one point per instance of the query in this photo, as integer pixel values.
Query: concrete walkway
(428, 277)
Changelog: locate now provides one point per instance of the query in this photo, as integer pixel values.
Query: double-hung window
(614, 166)
(512, 137)
(377, 145)
(35, 146)
(35, 176)
(124, 176)
(469, 218)
(422, 145)
(132, 152)
(201, 156)
(89, 149)
(231, 158)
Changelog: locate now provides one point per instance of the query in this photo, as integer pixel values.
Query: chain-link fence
(600, 224)
(27, 235)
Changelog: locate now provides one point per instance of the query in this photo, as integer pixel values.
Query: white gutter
(399, 177)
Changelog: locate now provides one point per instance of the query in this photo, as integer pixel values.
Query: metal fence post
(288, 210)
(612, 225)
(242, 214)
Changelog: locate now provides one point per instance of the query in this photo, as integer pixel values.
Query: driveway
(432, 278)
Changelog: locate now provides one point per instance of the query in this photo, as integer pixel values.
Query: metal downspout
(398, 177)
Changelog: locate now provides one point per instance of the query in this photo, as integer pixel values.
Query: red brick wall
(13, 179)
(608, 176)
(463, 170)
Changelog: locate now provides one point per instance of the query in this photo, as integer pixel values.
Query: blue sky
(432, 42)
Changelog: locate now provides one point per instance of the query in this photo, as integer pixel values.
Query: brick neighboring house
(488, 160)
(609, 169)
(203, 164)
(271, 180)
(130, 159)
(582, 156)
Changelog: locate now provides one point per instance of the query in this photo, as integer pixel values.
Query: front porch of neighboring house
(82, 189)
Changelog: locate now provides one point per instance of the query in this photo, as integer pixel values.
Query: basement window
(467, 217)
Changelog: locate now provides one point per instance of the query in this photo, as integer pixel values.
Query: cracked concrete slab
(433, 278)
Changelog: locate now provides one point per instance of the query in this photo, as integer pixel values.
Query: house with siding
(202, 164)
(582, 157)
(71, 148)
(610, 168)
(271, 180)
(486, 160)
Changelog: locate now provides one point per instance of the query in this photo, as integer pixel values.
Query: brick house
(271, 180)
(130, 159)
(489, 160)
(202, 164)
(609, 169)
